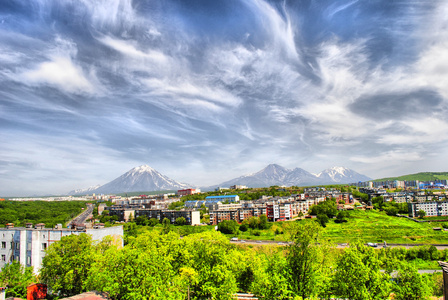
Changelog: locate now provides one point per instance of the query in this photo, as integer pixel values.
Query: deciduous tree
(16, 277)
(66, 264)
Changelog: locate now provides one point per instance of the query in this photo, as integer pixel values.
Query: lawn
(376, 227)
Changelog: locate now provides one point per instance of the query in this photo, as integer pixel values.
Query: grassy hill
(422, 176)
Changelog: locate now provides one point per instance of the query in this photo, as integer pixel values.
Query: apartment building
(193, 217)
(225, 198)
(186, 192)
(432, 208)
(28, 244)
(217, 216)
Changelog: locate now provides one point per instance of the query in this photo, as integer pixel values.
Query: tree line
(159, 265)
(48, 212)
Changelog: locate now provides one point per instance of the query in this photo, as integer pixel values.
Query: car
(234, 239)
(372, 245)
(242, 241)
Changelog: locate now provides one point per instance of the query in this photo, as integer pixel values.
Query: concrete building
(225, 198)
(27, 244)
(276, 211)
(432, 208)
(188, 192)
(193, 217)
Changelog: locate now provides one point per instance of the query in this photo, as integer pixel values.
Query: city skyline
(205, 91)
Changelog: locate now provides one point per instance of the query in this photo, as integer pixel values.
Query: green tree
(391, 210)
(327, 207)
(153, 222)
(409, 284)
(271, 276)
(341, 217)
(143, 269)
(254, 222)
(421, 213)
(180, 221)
(358, 275)
(66, 264)
(305, 260)
(142, 220)
(263, 222)
(322, 219)
(16, 277)
(228, 226)
(166, 224)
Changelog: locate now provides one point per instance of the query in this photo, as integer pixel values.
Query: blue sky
(204, 91)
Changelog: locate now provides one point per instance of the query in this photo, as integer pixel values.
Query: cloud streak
(204, 91)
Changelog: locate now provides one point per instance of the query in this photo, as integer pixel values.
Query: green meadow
(376, 227)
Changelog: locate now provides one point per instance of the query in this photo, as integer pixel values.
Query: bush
(322, 220)
(228, 226)
(180, 221)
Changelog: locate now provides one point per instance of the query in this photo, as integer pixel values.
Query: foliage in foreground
(16, 277)
(154, 265)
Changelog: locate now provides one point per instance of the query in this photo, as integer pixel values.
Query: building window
(28, 260)
(17, 246)
(28, 246)
(3, 245)
(3, 257)
(44, 246)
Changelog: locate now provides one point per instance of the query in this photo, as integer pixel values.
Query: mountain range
(145, 178)
(274, 174)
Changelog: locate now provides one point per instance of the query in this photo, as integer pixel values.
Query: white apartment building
(433, 208)
(28, 245)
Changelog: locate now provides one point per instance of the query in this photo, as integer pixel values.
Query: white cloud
(393, 157)
(60, 72)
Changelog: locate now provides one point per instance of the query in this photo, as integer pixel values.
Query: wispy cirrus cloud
(221, 87)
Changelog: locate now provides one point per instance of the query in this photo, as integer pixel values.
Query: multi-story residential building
(186, 192)
(277, 211)
(225, 198)
(193, 217)
(432, 208)
(238, 187)
(217, 216)
(28, 244)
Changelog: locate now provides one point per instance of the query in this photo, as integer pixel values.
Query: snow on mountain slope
(274, 174)
(142, 178)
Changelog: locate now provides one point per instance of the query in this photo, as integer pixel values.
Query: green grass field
(376, 227)
(366, 226)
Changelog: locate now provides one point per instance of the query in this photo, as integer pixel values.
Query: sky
(204, 91)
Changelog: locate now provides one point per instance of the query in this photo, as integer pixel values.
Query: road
(343, 245)
(81, 218)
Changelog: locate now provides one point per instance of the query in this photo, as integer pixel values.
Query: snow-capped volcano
(84, 191)
(139, 179)
(341, 174)
(274, 174)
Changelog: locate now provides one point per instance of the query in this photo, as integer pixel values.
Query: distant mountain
(422, 176)
(341, 174)
(142, 178)
(274, 174)
(84, 191)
